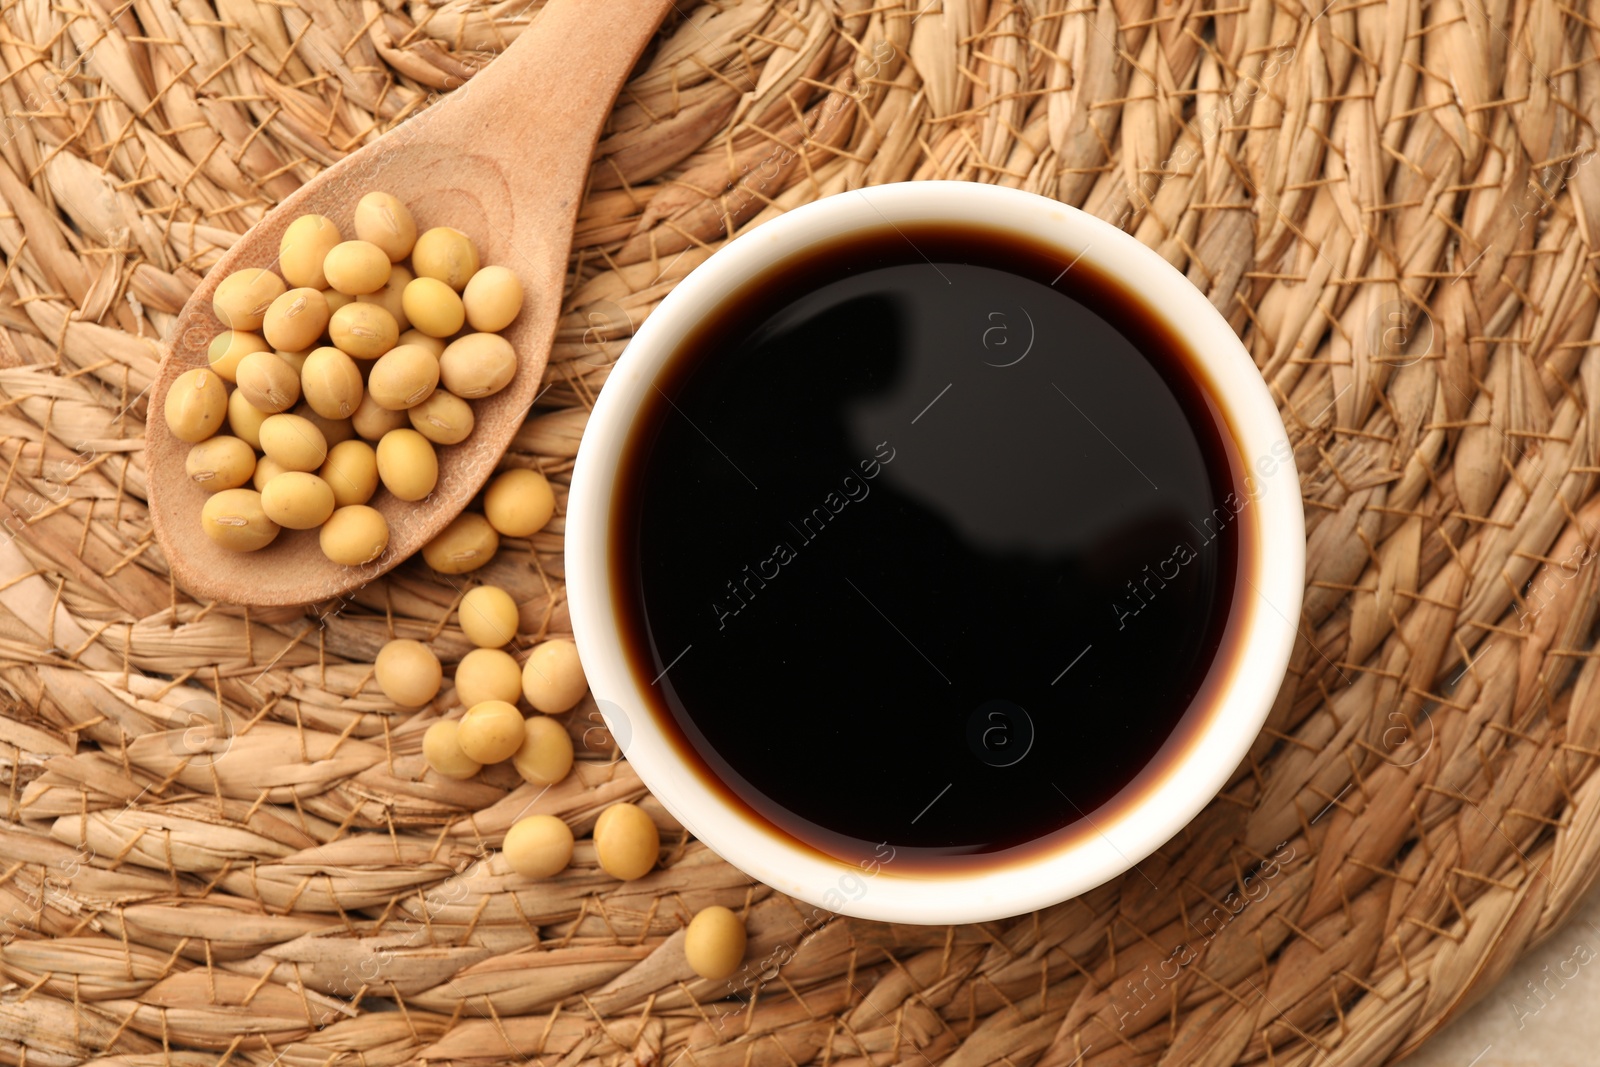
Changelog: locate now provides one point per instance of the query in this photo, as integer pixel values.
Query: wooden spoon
(504, 159)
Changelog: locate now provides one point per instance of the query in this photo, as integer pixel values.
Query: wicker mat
(1387, 198)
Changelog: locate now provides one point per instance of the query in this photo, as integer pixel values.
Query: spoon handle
(505, 158)
(551, 91)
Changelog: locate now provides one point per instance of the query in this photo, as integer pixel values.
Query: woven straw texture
(220, 842)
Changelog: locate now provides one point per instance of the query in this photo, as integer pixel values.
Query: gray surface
(1515, 1026)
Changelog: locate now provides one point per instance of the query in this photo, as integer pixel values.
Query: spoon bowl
(504, 160)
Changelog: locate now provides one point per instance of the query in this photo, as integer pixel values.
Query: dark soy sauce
(930, 543)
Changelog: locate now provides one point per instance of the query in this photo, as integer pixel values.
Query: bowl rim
(1275, 573)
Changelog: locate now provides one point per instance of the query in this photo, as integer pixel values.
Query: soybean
(234, 519)
(433, 307)
(415, 336)
(245, 419)
(354, 535)
(332, 383)
(300, 399)
(408, 672)
(443, 418)
(303, 247)
(196, 405)
(295, 357)
(546, 753)
(519, 503)
(296, 319)
(294, 441)
(553, 679)
(297, 500)
(447, 254)
(351, 471)
(626, 842)
(488, 616)
(356, 267)
(407, 465)
(222, 463)
(403, 377)
(714, 943)
(491, 731)
(365, 331)
(383, 220)
(372, 420)
(241, 299)
(268, 382)
(488, 674)
(492, 298)
(539, 846)
(465, 545)
(442, 751)
(478, 365)
(229, 347)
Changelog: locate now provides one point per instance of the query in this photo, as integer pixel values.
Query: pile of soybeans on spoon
(339, 371)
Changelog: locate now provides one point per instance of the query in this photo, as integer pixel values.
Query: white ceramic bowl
(1124, 834)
